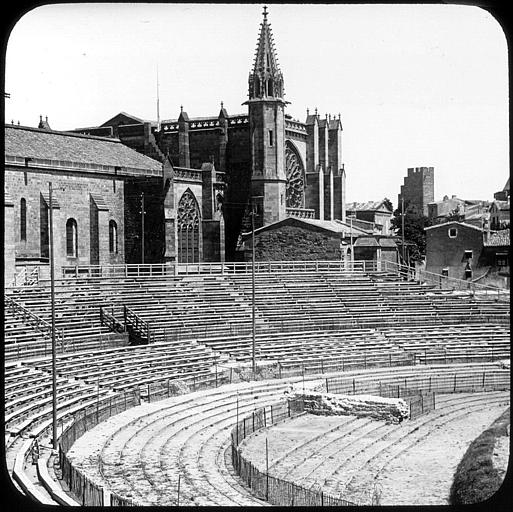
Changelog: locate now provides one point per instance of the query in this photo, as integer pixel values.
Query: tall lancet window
(23, 220)
(71, 238)
(188, 229)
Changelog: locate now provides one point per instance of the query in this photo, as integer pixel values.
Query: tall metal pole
(253, 288)
(142, 227)
(352, 248)
(402, 224)
(54, 345)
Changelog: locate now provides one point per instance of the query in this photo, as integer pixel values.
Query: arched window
(23, 220)
(188, 229)
(295, 171)
(71, 238)
(257, 88)
(270, 91)
(113, 237)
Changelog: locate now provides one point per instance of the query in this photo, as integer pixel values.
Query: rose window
(295, 179)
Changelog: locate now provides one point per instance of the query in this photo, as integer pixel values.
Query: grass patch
(476, 479)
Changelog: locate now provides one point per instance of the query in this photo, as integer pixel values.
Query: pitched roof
(445, 224)
(364, 241)
(367, 206)
(387, 242)
(68, 147)
(499, 238)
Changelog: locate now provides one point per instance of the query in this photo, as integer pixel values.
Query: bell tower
(267, 131)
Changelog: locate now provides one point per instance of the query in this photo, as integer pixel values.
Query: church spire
(266, 80)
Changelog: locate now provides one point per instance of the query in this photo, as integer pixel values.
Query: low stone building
(313, 239)
(300, 239)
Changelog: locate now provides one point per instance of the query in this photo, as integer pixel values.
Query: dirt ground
(368, 461)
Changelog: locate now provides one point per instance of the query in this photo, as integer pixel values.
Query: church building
(274, 165)
(173, 191)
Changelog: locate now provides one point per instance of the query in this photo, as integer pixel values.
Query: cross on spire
(265, 13)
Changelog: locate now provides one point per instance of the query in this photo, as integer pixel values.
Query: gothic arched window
(188, 226)
(23, 220)
(295, 177)
(270, 91)
(71, 238)
(113, 237)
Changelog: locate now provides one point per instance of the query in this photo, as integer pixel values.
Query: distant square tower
(418, 189)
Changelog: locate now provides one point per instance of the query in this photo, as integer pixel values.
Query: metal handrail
(162, 269)
(42, 325)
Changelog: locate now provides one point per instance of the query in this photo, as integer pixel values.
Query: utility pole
(253, 344)
(402, 224)
(52, 297)
(142, 227)
(352, 247)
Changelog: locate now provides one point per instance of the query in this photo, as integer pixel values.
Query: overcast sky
(417, 85)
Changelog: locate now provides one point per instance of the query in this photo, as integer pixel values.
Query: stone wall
(295, 243)
(393, 410)
(72, 193)
(443, 251)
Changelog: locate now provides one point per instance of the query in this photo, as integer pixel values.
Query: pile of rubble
(393, 410)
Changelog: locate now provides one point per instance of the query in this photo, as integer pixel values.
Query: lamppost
(402, 226)
(142, 227)
(52, 298)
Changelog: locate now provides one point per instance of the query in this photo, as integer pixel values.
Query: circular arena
(368, 388)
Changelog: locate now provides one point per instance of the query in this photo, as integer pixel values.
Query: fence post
(178, 492)
(484, 373)
(149, 397)
(216, 375)
(454, 383)
(266, 468)
(354, 387)
(327, 387)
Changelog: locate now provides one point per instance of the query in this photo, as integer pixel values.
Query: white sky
(416, 85)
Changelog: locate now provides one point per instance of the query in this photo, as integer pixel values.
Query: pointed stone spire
(266, 79)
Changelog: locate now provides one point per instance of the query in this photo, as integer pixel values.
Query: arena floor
(366, 461)
(141, 453)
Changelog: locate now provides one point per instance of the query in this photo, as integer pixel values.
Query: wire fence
(457, 382)
(85, 490)
(275, 490)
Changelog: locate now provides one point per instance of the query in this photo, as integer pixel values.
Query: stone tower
(267, 131)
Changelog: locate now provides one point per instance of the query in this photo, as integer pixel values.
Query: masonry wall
(9, 259)
(72, 193)
(445, 252)
(294, 243)
(418, 189)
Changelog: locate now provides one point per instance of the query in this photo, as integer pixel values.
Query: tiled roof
(337, 226)
(445, 224)
(387, 242)
(63, 146)
(364, 241)
(367, 206)
(499, 238)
